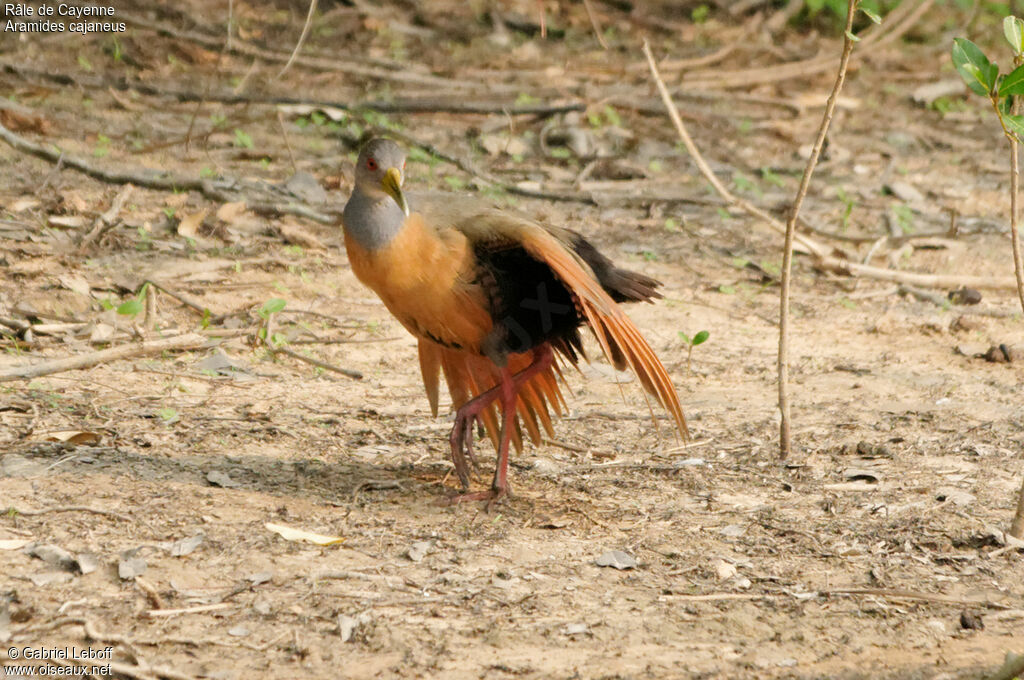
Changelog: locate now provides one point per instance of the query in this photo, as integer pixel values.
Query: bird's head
(380, 171)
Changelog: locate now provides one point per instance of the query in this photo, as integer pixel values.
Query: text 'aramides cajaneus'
(492, 298)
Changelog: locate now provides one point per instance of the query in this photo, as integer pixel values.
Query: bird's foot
(491, 495)
(461, 440)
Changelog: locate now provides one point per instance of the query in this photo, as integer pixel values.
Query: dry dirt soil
(140, 490)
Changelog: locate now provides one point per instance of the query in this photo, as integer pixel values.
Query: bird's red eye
(371, 164)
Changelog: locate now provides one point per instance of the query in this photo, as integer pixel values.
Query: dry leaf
(230, 212)
(23, 204)
(189, 225)
(13, 543)
(67, 221)
(290, 534)
(76, 283)
(71, 437)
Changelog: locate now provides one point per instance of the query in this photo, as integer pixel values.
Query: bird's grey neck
(371, 221)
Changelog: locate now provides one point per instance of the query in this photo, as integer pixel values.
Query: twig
(287, 144)
(302, 39)
(785, 431)
(69, 508)
(431, 104)
(199, 609)
(108, 220)
(180, 297)
(179, 342)
(268, 341)
(1017, 527)
(322, 64)
(913, 595)
(594, 24)
(812, 246)
(151, 592)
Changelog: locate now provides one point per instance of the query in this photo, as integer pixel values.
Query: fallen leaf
(616, 559)
(75, 283)
(954, 495)
(131, 567)
(54, 555)
(863, 474)
(186, 546)
(292, 534)
(221, 479)
(46, 578)
(67, 221)
(418, 550)
(189, 225)
(76, 437)
(23, 204)
(724, 570)
(13, 543)
(230, 212)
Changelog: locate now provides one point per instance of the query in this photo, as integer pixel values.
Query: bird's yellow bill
(392, 184)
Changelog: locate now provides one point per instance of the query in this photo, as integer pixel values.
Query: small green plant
(848, 202)
(168, 415)
(982, 76)
(269, 308)
(700, 14)
(904, 217)
(242, 139)
(699, 339)
(102, 146)
(133, 306)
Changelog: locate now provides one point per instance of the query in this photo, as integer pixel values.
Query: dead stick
(400, 105)
(268, 340)
(302, 39)
(187, 341)
(913, 595)
(785, 431)
(189, 610)
(70, 508)
(180, 297)
(107, 220)
(811, 245)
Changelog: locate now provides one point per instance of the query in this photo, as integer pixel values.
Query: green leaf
(130, 308)
(1012, 83)
(685, 337)
(871, 14)
(1013, 29)
(242, 139)
(700, 338)
(974, 67)
(168, 415)
(272, 306)
(1015, 124)
(852, 37)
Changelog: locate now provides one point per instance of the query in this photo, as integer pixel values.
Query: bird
(496, 301)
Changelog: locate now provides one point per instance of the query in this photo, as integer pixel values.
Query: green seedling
(699, 339)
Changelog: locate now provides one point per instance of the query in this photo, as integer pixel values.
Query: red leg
(508, 391)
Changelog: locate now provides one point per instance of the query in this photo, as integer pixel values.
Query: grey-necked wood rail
(493, 297)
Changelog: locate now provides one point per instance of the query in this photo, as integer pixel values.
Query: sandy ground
(873, 552)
